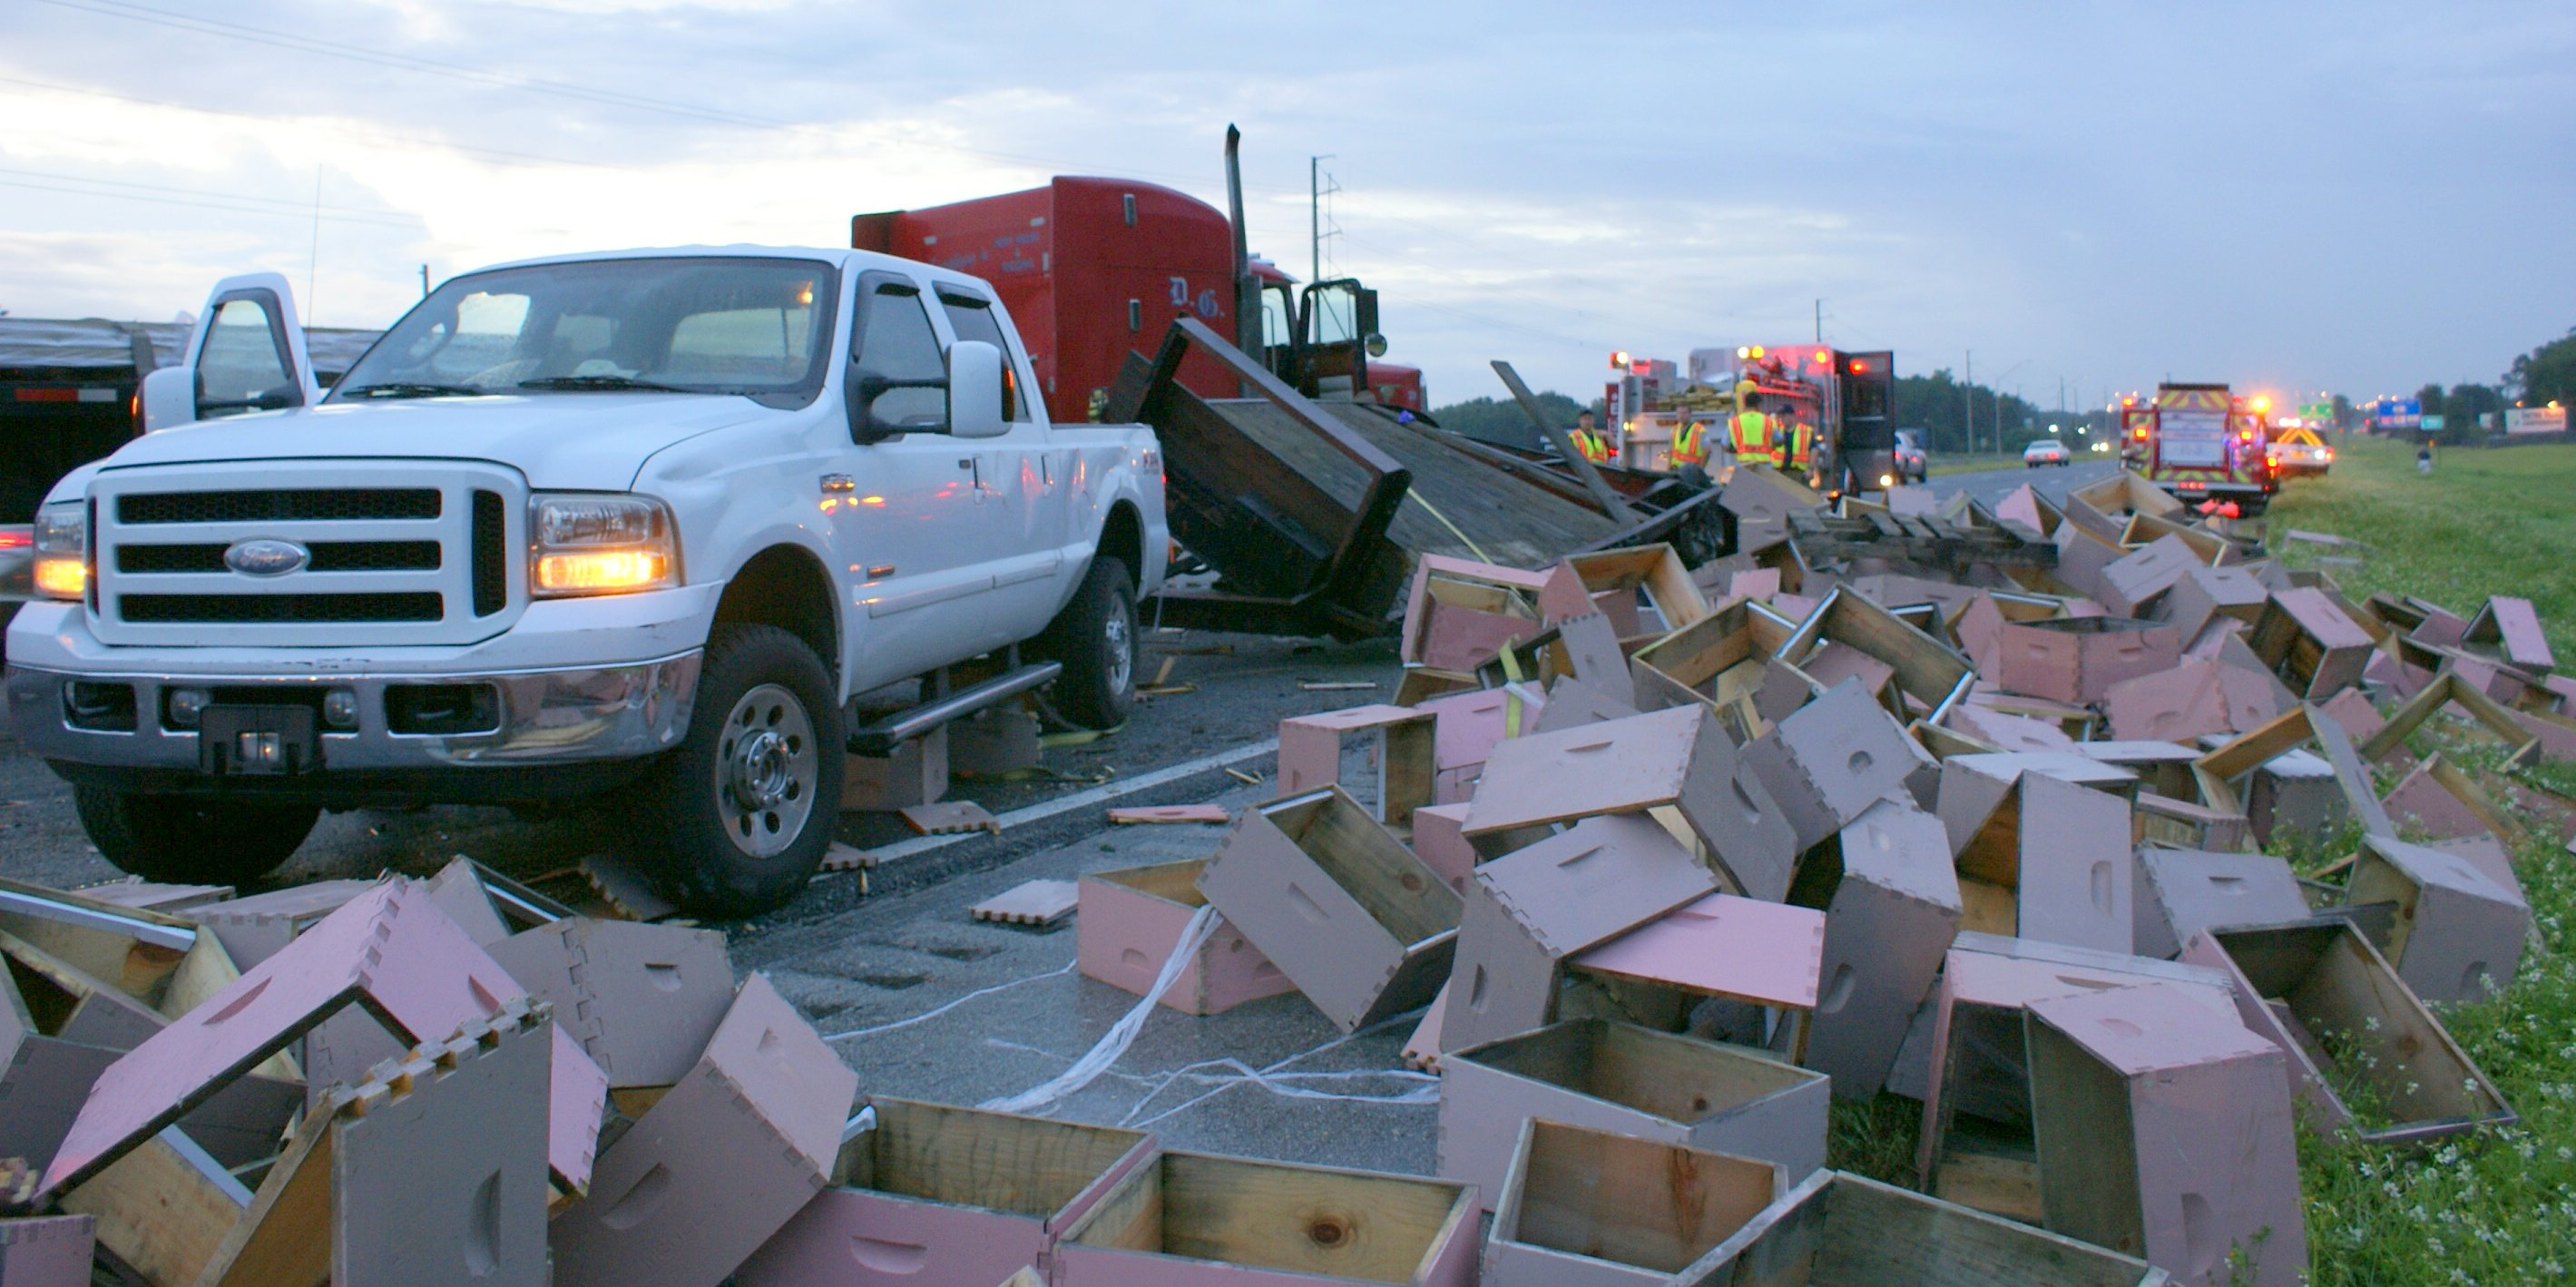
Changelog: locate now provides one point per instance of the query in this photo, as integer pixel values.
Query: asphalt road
(1992, 485)
(928, 1003)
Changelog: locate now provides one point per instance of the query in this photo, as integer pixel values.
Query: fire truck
(1095, 270)
(1847, 397)
(2204, 445)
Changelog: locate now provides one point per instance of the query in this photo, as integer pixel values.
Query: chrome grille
(397, 552)
(294, 505)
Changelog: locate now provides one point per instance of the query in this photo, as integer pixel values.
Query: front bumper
(542, 718)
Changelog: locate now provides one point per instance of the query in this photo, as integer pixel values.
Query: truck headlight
(600, 544)
(62, 550)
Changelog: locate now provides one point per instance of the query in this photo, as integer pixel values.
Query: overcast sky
(2356, 195)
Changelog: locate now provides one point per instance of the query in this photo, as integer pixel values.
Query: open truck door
(246, 354)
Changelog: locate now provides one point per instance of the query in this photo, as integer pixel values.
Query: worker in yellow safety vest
(1690, 443)
(1749, 433)
(1594, 445)
(1802, 446)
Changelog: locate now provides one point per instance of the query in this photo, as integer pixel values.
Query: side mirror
(975, 390)
(169, 398)
(1376, 345)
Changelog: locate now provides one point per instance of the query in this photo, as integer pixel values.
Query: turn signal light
(601, 570)
(62, 578)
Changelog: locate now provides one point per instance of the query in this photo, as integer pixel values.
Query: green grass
(2488, 521)
(2495, 1207)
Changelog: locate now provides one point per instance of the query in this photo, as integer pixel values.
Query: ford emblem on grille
(266, 557)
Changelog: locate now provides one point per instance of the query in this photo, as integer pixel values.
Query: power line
(298, 207)
(262, 119)
(304, 211)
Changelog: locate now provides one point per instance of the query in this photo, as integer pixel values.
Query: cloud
(2353, 195)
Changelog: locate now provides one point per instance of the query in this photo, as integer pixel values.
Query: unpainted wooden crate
(1586, 1208)
(1128, 920)
(2164, 1130)
(1363, 927)
(1609, 1076)
(1200, 1220)
(2328, 999)
(941, 1194)
(1838, 1229)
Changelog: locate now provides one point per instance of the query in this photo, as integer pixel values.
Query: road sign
(2317, 412)
(2431, 424)
(2396, 413)
(2535, 420)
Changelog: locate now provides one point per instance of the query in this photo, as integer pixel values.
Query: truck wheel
(1095, 638)
(735, 820)
(185, 840)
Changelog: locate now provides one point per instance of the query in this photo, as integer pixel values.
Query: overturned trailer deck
(1313, 512)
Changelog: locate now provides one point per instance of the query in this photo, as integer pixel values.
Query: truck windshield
(713, 324)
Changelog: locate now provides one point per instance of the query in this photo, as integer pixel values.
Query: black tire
(1095, 638)
(734, 821)
(184, 840)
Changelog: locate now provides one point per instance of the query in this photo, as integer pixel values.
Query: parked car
(2299, 453)
(2046, 451)
(1913, 462)
(642, 522)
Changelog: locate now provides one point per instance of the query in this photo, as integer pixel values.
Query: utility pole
(1315, 212)
(1820, 321)
(1968, 400)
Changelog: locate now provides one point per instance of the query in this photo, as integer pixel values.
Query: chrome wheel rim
(766, 767)
(1118, 636)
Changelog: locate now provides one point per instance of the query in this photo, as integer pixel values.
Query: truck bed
(1457, 505)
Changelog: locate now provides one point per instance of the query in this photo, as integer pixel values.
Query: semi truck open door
(246, 354)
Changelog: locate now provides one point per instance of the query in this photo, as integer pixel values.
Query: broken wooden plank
(1169, 813)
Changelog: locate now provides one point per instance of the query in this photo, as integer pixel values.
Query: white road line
(1089, 797)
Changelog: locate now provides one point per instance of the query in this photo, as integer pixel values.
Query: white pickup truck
(634, 529)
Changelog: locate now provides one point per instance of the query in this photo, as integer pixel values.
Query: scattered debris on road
(1655, 861)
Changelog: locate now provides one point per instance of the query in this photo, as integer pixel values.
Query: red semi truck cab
(1095, 269)
(2203, 445)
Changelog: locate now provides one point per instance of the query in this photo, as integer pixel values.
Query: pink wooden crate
(1127, 922)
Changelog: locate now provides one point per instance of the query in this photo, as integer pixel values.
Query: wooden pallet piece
(1034, 902)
